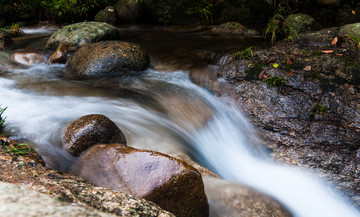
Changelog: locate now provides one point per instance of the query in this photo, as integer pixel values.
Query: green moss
(274, 81)
(252, 73)
(313, 75)
(244, 54)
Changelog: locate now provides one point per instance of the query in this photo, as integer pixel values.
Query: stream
(158, 109)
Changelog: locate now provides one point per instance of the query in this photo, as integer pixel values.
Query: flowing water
(158, 110)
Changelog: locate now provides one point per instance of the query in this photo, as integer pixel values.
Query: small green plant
(291, 32)
(274, 26)
(274, 81)
(244, 54)
(20, 149)
(320, 109)
(354, 38)
(202, 10)
(2, 119)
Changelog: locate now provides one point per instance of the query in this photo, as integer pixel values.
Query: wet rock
(23, 202)
(89, 130)
(28, 57)
(234, 28)
(106, 58)
(5, 40)
(232, 200)
(107, 15)
(299, 23)
(80, 33)
(310, 119)
(129, 10)
(350, 31)
(170, 183)
(60, 55)
(29, 171)
(319, 38)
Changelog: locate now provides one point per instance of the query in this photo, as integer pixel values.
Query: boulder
(23, 202)
(28, 171)
(299, 23)
(351, 32)
(234, 28)
(89, 130)
(231, 199)
(107, 15)
(80, 33)
(60, 55)
(170, 183)
(129, 10)
(28, 57)
(106, 58)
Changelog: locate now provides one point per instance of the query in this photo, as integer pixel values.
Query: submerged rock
(28, 57)
(60, 55)
(106, 58)
(89, 130)
(80, 33)
(170, 183)
(232, 200)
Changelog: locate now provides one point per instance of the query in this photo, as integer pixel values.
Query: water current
(159, 109)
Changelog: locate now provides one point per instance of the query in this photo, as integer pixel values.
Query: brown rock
(59, 56)
(89, 130)
(232, 200)
(28, 57)
(170, 183)
(28, 171)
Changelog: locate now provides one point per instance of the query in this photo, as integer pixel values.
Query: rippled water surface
(158, 109)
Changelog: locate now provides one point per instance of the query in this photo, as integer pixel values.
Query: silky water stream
(156, 110)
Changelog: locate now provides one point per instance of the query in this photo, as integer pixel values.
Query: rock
(232, 200)
(234, 28)
(60, 55)
(80, 33)
(5, 40)
(299, 23)
(312, 118)
(28, 57)
(129, 10)
(28, 171)
(350, 31)
(23, 202)
(319, 38)
(106, 58)
(170, 183)
(328, 2)
(107, 15)
(89, 130)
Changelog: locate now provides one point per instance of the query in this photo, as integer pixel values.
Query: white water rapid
(40, 103)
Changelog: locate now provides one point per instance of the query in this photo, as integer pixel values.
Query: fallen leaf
(353, 12)
(275, 65)
(327, 51)
(289, 62)
(334, 41)
(307, 68)
(297, 53)
(339, 54)
(291, 73)
(262, 73)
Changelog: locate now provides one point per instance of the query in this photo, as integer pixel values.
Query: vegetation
(274, 81)
(19, 150)
(274, 26)
(2, 119)
(204, 11)
(244, 54)
(291, 32)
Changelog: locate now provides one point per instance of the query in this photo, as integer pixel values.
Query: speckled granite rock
(80, 33)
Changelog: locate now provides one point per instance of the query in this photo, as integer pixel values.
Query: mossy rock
(350, 30)
(299, 22)
(107, 15)
(80, 33)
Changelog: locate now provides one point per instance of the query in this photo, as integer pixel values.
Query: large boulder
(106, 58)
(298, 23)
(170, 183)
(107, 15)
(129, 10)
(305, 104)
(231, 199)
(89, 130)
(28, 57)
(23, 202)
(80, 33)
(28, 171)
